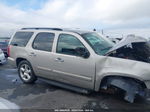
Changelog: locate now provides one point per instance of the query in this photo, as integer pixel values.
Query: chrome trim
(43, 68)
(73, 75)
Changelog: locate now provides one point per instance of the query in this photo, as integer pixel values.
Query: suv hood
(132, 47)
(127, 42)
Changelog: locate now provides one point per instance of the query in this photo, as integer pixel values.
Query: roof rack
(36, 28)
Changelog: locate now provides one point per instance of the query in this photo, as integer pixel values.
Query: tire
(26, 72)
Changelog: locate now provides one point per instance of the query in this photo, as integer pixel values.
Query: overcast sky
(114, 16)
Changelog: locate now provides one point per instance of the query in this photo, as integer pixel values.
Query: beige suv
(79, 60)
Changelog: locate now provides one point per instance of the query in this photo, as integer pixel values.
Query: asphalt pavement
(43, 96)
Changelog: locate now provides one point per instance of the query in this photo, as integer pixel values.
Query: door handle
(32, 54)
(59, 60)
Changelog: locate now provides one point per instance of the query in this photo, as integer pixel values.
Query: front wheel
(26, 72)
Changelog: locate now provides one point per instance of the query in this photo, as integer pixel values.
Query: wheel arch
(106, 78)
(131, 86)
(19, 59)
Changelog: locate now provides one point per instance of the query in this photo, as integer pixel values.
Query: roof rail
(37, 28)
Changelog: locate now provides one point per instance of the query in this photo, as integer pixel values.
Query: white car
(2, 57)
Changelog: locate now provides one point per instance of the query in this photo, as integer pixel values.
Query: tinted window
(43, 41)
(21, 38)
(67, 44)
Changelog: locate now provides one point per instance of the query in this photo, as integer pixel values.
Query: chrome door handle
(32, 54)
(59, 60)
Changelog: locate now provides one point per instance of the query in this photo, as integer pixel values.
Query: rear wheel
(26, 72)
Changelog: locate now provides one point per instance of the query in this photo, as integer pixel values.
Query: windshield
(99, 44)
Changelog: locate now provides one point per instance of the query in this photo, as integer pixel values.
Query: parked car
(81, 60)
(2, 57)
(4, 44)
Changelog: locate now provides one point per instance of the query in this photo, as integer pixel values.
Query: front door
(70, 68)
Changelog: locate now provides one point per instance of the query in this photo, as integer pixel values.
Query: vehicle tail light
(8, 50)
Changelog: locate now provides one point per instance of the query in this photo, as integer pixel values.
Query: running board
(66, 86)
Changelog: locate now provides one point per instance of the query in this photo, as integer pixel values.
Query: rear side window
(21, 38)
(44, 41)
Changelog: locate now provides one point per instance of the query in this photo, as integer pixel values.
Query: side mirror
(83, 52)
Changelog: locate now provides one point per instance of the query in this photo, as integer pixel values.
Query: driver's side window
(67, 44)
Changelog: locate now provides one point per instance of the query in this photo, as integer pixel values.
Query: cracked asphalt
(43, 96)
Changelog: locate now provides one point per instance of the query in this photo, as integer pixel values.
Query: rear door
(70, 68)
(41, 54)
